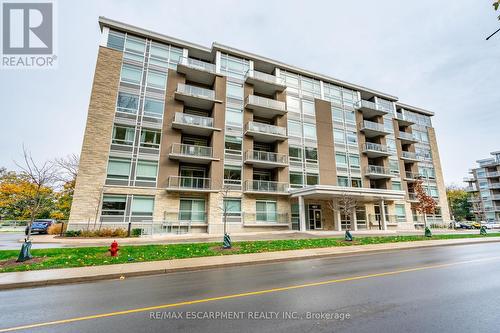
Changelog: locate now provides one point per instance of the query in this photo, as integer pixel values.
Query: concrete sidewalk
(85, 274)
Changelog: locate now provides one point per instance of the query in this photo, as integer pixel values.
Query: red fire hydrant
(114, 249)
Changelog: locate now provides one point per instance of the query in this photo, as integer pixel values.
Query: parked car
(465, 225)
(455, 225)
(475, 225)
(40, 226)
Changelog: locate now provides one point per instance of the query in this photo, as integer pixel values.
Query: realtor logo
(28, 34)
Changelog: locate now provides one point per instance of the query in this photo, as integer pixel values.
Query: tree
(67, 170)
(458, 201)
(496, 5)
(426, 204)
(345, 204)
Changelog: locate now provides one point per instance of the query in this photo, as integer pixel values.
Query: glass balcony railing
(264, 77)
(266, 217)
(371, 105)
(409, 155)
(265, 156)
(366, 124)
(194, 183)
(265, 128)
(412, 175)
(191, 150)
(412, 196)
(194, 120)
(197, 64)
(470, 189)
(265, 102)
(377, 169)
(375, 147)
(195, 91)
(495, 185)
(266, 186)
(407, 136)
(493, 174)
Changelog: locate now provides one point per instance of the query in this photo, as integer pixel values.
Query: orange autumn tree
(426, 204)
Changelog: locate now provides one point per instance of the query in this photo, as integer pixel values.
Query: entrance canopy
(327, 192)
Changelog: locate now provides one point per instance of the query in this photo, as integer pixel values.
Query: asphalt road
(440, 289)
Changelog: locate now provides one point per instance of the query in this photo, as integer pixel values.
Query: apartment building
(182, 138)
(484, 188)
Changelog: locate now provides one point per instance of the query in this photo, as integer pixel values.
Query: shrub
(73, 233)
(55, 229)
(136, 232)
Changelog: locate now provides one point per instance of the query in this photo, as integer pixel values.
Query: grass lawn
(93, 256)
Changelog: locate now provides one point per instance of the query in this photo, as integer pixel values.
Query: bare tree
(68, 168)
(346, 204)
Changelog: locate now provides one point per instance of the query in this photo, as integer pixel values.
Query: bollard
(129, 228)
(62, 228)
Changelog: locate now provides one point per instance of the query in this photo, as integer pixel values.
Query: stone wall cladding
(443, 199)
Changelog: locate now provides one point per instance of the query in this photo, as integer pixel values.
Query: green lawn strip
(93, 256)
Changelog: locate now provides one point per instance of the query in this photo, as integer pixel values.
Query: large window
(232, 66)
(341, 159)
(232, 206)
(312, 179)
(338, 136)
(113, 205)
(232, 145)
(308, 108)
(123, 135)
(150, 138)
(131, 74)
(116, 40)
(400, 212)
(143, 205)
(266, 211)
(153, 107)
(310, 131)
(146, 170)
(311, 154)
(295, 153)
(118, 168)
(232, 175)
(234, 117)
(296, 179)
(192, 210)
(294, 128)
(127, 102)
(343, 181)
(396, 186)
(354, 161)
(234, 90)
(156, 79)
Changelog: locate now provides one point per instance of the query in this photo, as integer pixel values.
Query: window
(234, 116)
(131, 74)
(232, 145)
(311, 154)
(192, 210)
(143, 206)
(127, 102)
(308, 108)
(312, 179)
(338, 136)
(294, 128)
(354, 161)
(295, 153)
(400, 212)
(232, 175)
(396, 186)
(118, 168)
(394, 166)
(266, 211)
(146, 170)
(338, 114)
(310, 131)
(233, 66)
(292, 104)
(341, 159)
(156, 79)
(123, 135)
(153, 108)
(234, 90)
(350, 117)
(113, 204)
(356, 182)
(352, 138)
(135, 45)
(232, 206)
(296, 179)
(116, 40)
(175, 54)
(343, 181)
(150, 138)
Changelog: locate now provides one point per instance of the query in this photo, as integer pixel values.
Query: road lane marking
(245, 294)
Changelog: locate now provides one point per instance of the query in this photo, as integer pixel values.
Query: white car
(491, 225)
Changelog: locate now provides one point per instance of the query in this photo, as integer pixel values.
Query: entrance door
(315, 218)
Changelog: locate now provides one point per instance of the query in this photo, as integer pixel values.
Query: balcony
(374, 150)
(195, 97)
(370, 109)
(493, 174)
(494, 186)
(403, 120)
(264, 83)
(266, 160)
(191, 184)
(377, 172)
(269, 219)
(191, 153)
(197, 70)
(265, 132)
(470, 189)
(411, 177)
(372, 129)
(266, 187)
(412, 197)
(193, 124)
(409, 157)
(265, 107)
(495, 197)
(407, 138)
(469, 179)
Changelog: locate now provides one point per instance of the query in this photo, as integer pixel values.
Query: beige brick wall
(97, 137)
(443, 199)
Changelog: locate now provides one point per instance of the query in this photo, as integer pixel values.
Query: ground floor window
(232, 206)
(143, 205)
(191, 209)
(113, 204)
(266, 211)
(400, 213)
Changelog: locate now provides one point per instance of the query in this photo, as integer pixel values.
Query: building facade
(184, 136)
(484, 188)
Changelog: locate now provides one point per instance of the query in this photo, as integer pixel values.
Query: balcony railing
(493, 174)
(265, 217)
(409, 155)
(412, 175)
(266, 128)
(371, 105)
(197, 64)
(264, 77)
(375, 147)
(193, 120)
(191, 150)
(193, 183)
(266, 186)
(265, 156)
(195, 91)
(495, 185)
(495, 197)
(366, 124)
(407, 136)
(265, 102)
(377, 169)
(470, 189)
(412, 196)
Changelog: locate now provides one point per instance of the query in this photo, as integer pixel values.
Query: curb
(149, 272)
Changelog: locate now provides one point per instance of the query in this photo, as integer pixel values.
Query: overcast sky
(429, 55)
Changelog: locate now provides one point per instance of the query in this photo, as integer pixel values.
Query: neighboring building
(484, 187)
(170, 123)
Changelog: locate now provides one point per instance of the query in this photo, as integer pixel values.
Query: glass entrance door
(315, 218)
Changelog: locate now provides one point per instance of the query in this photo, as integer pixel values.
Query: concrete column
(302, 214)
(354, 220)
(382, 215)
(339, 223)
